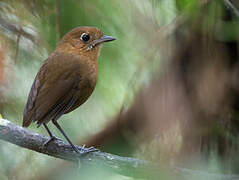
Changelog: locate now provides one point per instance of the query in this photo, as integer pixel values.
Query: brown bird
(66, 79)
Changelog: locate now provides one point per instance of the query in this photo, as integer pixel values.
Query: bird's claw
(46, 143)
(84, 150)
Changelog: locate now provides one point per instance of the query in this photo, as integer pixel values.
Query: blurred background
(168, 88)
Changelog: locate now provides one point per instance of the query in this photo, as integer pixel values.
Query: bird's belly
(85, 90)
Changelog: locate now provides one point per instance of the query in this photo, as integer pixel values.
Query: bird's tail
(27, 119)
(26, 123)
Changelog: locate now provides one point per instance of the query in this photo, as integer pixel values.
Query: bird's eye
(85, 37)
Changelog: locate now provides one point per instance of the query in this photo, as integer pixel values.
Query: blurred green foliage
(132, 22)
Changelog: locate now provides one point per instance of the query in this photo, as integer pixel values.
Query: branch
(127, 166)
(27, 139)
(233, 8)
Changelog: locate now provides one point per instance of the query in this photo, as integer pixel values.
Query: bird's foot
(46, 143)
(85, 150)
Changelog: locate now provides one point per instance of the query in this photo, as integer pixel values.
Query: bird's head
(84, 40)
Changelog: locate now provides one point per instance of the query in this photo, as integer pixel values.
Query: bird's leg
(83, 149)
(52, 137)
(63, 133)
(48, 130)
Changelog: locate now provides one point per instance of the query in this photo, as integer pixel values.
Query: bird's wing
(51, 95)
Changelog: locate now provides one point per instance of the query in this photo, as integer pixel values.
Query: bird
(65, 80)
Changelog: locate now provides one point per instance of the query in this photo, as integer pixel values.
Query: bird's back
(64, 82)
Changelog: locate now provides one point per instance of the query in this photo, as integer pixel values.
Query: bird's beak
(102, 39)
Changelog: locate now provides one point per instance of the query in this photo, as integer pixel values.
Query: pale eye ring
(85, 37)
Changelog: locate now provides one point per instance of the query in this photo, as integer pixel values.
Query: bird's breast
(86, 85)
(85, 88)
